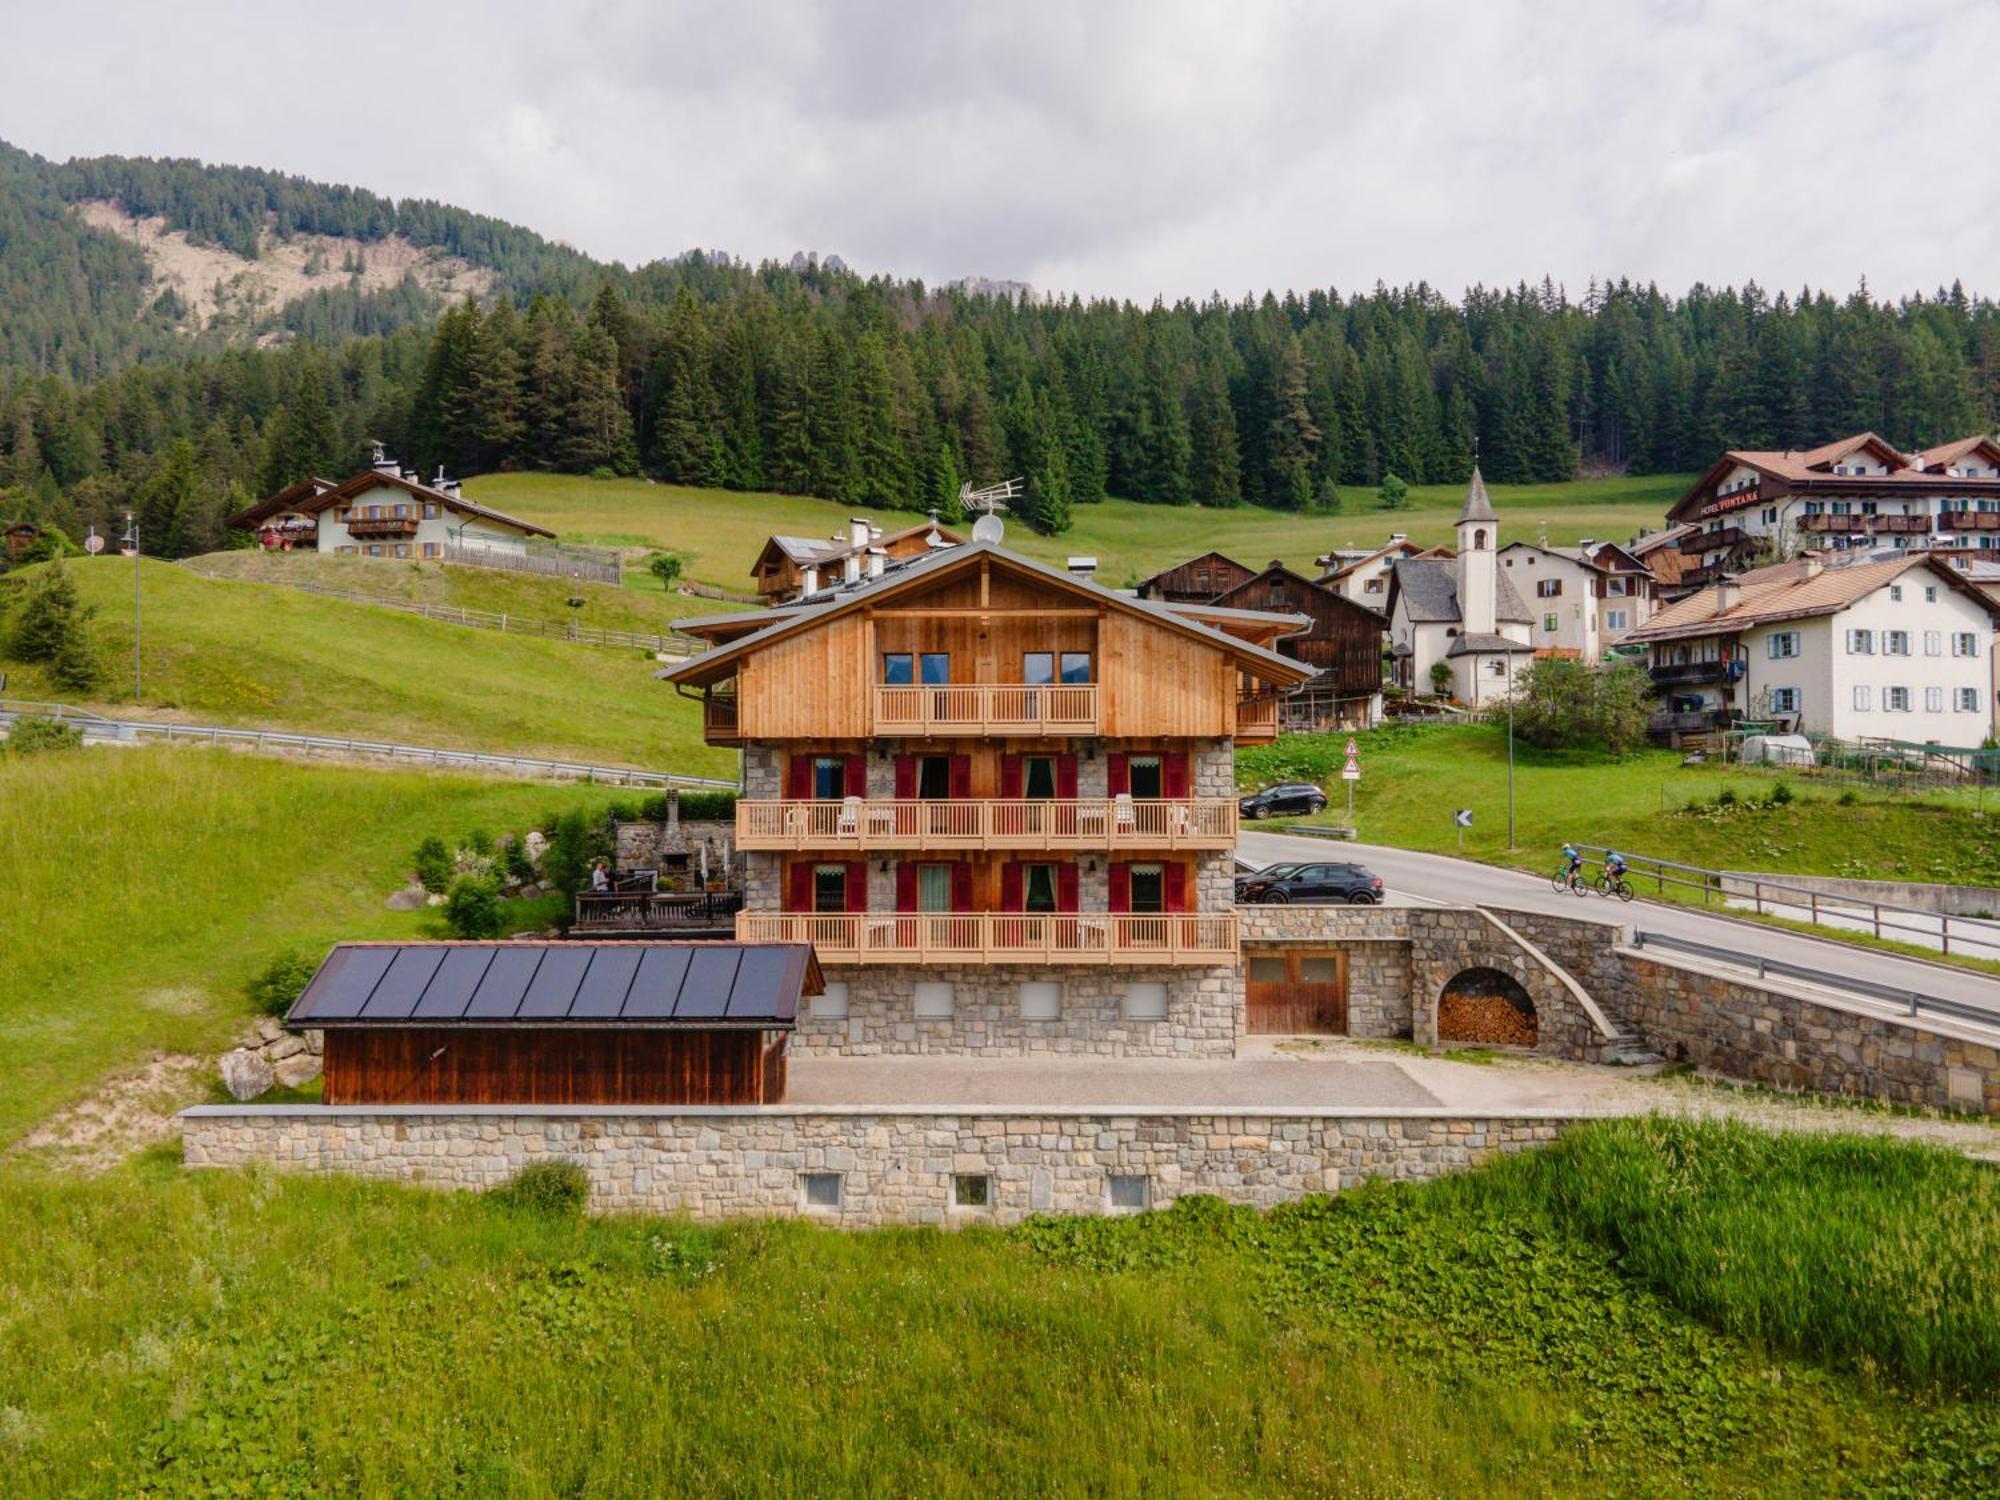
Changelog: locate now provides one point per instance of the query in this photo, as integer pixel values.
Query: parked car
(1285, 797)
(1247, 878)
(1325, 884)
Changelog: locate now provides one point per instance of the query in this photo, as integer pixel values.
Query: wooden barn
(557, 1022)
(1197, 581)
(1344, 645)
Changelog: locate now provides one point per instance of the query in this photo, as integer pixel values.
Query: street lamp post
(131, 540)
(1510, 768)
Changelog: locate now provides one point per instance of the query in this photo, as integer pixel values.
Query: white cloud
(1123, 147)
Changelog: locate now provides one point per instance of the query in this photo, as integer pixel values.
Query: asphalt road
(1417, 879)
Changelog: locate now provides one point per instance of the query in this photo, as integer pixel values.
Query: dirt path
(126, 1114)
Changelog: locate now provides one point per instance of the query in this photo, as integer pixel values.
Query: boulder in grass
(246, 1074)
(297, 1070)
(410, 898)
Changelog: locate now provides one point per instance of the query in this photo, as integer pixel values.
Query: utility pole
(131, 539)
(1511, 846)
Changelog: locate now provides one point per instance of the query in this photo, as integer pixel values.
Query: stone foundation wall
(1204, 1012)
(895, 1167)
(1772, 1036)
(643, 845)
(1445, 941)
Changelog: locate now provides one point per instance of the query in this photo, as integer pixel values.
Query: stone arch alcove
(1485, 1006)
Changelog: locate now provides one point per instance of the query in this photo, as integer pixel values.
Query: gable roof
(710, 665)
(1309, 585)
(1190, 562)
(1339, 563)
(806, 551)
(291, 497)
(1932, 459)
(1428, 587)
(1810, 469)
(1788, 591)
(367, 479)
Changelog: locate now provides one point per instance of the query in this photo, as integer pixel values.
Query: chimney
(853, 567)
(1082, 568)
(874, 532)
(1811, 565)
(857, 532)
(811, 585)
(1398, 536)
(1727, 595)
(381, 463)
(877, 560)
(440, 483)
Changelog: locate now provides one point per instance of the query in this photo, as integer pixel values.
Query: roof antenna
(987, 504)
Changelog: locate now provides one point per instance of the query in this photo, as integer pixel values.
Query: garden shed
(557, 1022)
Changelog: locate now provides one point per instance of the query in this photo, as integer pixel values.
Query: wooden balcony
(1710, 541)
(372, 528)
(1093, 824)
(987, 708)
(1193, 939)
(678, 913)
(1256, 720)
(1970, 520)
(718, 719)
(1833, 523)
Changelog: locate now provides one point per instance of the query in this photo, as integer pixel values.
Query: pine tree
(941, 481)
(54, 629)
(831, 422)
(882, 456)
(736, 394)
(1291, 440)
(687, 442)
(1215, 469)
(305, 441)
(169, 502)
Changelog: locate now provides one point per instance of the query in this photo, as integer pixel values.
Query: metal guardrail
(1971, 933)
(1913, 1002)
(99, 726)
(487, 619)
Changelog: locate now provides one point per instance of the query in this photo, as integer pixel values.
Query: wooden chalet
(791, 567)
(557, 1022)
(1343, 645)
(1197, 581)
(287, 519)
(19, 538)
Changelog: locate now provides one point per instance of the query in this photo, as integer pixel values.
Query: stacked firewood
(1490, 1019)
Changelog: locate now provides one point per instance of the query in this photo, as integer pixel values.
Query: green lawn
(1618, 1317)
(721, 531)
(220, 651)
(641, 604)
(140, 889)
(1414, 778)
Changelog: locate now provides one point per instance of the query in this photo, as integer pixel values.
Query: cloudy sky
(1134, 149)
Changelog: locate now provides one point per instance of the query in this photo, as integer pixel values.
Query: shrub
(472, 910)
(32, 736)
(519, 867)
(665, 566)
(1441, 677)
(1564, 704)
(480, 842)
(283, 980)
(1726, 797)
(1394, 493)
(549, 1189)
(1849, 798)
(434, 865)
(573, 844)
(624, 812)
(709, 807)
(1780, 795)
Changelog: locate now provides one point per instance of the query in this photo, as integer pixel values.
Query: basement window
(1041, 999)
(974, 1190)
(820, 1190)
(1129, 1193)
(1145, 1000)
(831, 1003)
(933, 1001)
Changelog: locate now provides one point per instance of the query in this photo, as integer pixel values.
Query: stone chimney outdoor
(1811, 564)
(857, 531)
(1728, 594)
(853, 567)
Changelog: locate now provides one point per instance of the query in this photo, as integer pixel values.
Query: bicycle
(1609, 885)
(1566, 879)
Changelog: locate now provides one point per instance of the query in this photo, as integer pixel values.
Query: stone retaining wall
(895, 1167)
(1781, 1037)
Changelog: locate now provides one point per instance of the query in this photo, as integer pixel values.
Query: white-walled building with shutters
(1895, 650)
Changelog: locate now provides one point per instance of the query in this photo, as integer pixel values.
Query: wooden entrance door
(1296, 993)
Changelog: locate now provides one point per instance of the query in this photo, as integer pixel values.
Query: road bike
(1566, 879)
(1609, 885)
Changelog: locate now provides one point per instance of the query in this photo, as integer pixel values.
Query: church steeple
(1478, 541)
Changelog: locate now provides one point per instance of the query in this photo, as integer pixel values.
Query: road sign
(1353, 749)
(93, 544)
(1352, 770)
(1463, 817)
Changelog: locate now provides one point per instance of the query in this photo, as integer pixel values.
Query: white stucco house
(1584, 599)
(384, 511)
(1896, 650)
(1462, 611)
(1362, 573)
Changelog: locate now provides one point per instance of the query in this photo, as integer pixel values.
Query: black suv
(1285, 797)
(1310, 885)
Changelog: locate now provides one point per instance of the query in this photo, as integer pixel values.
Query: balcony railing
(1257, 719)
(1000, 937)
(656, 911)
(380, 526)
(1097, 823)
(1969, 520)
(1710, 541)
(1697, 671)
(718, 717)
(987, 708)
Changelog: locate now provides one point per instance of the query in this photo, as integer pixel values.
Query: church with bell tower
(1456, 624)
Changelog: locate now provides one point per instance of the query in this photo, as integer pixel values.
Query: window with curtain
(1149, 888)
(933, 887)
(1039, 888)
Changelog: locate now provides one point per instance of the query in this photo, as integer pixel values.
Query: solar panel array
(559, 984)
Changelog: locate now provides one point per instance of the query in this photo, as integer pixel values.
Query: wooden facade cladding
(519, 1065)
(1181, 938)
(1343, 643)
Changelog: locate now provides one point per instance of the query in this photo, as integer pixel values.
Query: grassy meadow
(1413, 777)
(222, 651)
(1545, 1325)
(640, 604)
(140, 889)
(720, 532)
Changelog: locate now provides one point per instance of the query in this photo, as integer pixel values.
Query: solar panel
(403, 986)
(458, 979)
(555, 984)
(506, 981)
(711, 976)
(601, 995)
(343, 984)
(657, 989)
(767, 985)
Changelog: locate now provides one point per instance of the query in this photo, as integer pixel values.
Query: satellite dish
(986, 504)
(93, 544)
(988, 528)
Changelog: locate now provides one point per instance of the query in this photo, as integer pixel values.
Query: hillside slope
(220, 651)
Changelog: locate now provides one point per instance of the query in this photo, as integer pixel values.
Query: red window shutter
(802, 886)
(1011, 782)
(855, 776)
(1121, 887)
(906, 777)
(961, 886)
(961, 777)
(1066, 888)
(857, 885)
(799, 778)
(1066, 777)
(1013, 886)
(1175, 879)
(906, 886)
(1174, 774)
(1117, 773)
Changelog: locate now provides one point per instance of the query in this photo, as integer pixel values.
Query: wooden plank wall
(1158, 682)
(808, 686)
(453, 1065)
